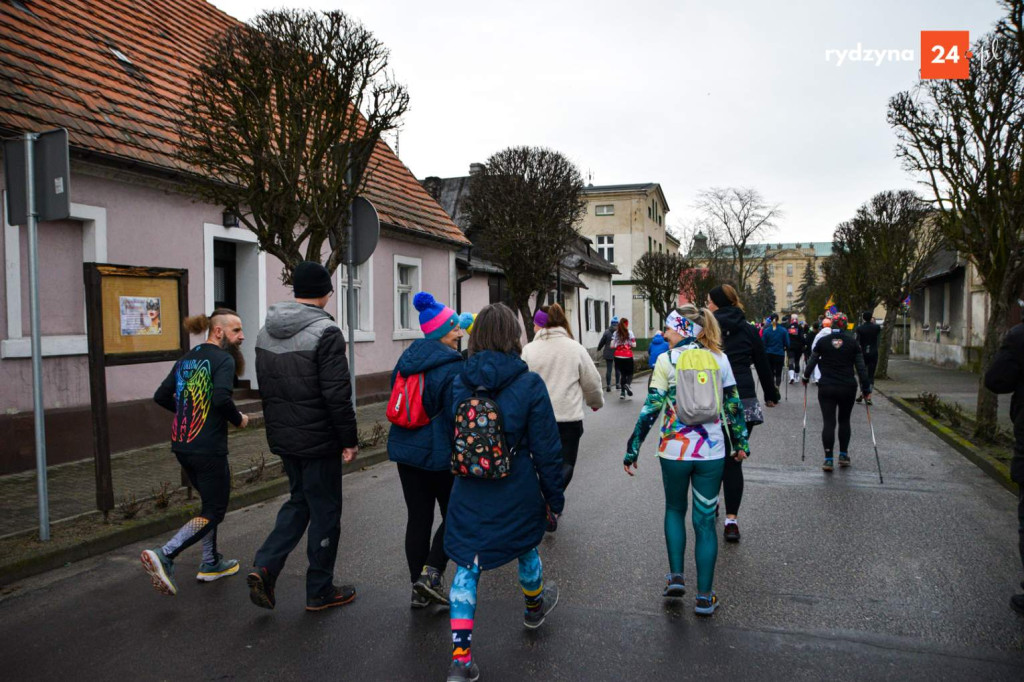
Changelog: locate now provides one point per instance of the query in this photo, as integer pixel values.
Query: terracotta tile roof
(58, 67)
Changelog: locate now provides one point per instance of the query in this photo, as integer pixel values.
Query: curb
(131, 532)
(995, 469)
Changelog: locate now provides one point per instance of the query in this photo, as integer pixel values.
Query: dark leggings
(570, 433)
(609, 367)
(211, 477)
(776, 362)
(833, 399)
(422, 489)
(732, 481)
(872, 364)
(624, 368)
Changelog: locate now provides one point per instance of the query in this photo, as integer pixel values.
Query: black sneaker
(860, 399)
(261, 588)
(549, 599)
(607, 389)
(418, 601)
(867, 401)
(1017, 602)
(731, 532)
(430, 585)
(552, 521)
(629, 391)
(844, 460)
(463, 673)
(338, 596)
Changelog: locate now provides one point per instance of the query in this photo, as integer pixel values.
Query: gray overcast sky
(688, 94)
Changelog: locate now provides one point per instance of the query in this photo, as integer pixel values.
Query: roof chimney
(475, 168)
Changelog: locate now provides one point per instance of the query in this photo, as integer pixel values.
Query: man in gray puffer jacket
(311, 425)
(608, 353)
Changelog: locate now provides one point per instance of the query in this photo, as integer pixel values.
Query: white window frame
(94, 250)
(604, 209)
(789, 269)
(606, 248)
(400, 334)
(364, 290)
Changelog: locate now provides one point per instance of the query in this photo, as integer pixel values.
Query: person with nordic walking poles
(198, 391)
(744, 348)
(693, 385)
(624, 342)
(841, 362)
(420, 442)
(507, 462)
(868, 333)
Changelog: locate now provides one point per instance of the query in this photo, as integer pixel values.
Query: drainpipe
(458, 286)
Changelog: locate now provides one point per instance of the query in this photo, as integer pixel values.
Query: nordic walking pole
(878, 462)
(803, 446)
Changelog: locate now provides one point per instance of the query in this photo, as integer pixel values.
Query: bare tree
(848, 270)
(279, 114)
(707, 265)
(656, 277)
(740, 217)
(966, 138)
(524, 208)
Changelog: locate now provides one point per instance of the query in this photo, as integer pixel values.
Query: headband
(683, 325)
(540, 318)
(720, 299)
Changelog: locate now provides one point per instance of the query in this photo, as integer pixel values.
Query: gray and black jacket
(605, 344)
(304, 382)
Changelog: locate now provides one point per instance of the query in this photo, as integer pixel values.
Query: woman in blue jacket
(423, 455)
(494, 521)
(776, 343)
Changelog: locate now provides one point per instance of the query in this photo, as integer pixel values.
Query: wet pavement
(836, 576)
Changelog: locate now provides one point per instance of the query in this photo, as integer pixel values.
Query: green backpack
(698, 387)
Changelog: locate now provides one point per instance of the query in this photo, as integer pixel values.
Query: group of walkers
(490, 439)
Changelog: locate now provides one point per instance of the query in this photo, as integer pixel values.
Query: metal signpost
(37, 172)
(363, 234)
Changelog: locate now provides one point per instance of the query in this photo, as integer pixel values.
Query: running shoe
(629, 391)
(860, 399)
(731, 532)
(622, 395)
(338, 596)
(418, 601)
(261, 588)
(552, 521)
(607, 389)
(457, 672)
(221, 568)
(430, 585)
(675, 585)
(548, 601)
(844, 460)
(160, 570)
(867, 401)
(705, 604)
(827, 466)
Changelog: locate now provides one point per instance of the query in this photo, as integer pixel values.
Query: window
(789, 290)
(649, 242)
(604, 209)
(599, 308)
(362, 284)
(497, 289)
(586, 311)
(789, 270)
(607, 316)
(771, 270)
(407, 283)
(606, 247)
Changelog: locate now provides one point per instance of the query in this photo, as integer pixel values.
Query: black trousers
(872, 362)
(422, 489)
(609, 366)
(624, 372)
(732, 480)
(315, 488)
(776, 362)
(794, 361)
(1020, 522)
(211, 477)
(570, 433)
(836, 401)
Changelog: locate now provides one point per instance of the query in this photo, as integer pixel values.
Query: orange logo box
(945, 54)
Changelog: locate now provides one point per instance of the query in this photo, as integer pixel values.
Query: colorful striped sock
(462, 638)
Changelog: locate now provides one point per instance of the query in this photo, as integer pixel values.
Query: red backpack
(405, 406)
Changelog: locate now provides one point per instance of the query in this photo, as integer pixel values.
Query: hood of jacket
(285, 320)
(730, 318)
(658, 343)
(492, 370)
(424, 355)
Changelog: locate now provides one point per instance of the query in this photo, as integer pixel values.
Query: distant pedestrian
(823, 332)
(198, 392)
(796, 348)
(658, 346)
(842, 363)
(311, 425)
(1006, 375)
(571, 379)
(624, 342)
(868, 334)
(691, 454)
(807, 333)
(494, 521)
(776, 343)
(744, 348)
(420, 441)
(608, 354)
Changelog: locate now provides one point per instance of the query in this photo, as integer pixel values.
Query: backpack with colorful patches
(480, 447)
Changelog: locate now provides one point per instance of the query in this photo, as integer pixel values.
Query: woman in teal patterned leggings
(691, 455)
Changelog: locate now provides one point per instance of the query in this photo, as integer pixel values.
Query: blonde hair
(734, 298)
(711, 333)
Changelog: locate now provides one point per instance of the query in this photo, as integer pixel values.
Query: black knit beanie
(719, 298)
(867, 316)
(311, 280)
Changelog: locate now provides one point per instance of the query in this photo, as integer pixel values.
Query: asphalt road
(836, 576)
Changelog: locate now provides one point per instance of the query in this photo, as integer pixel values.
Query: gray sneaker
(160, 570)
(418, 601)
(463, 673)
(430, 585)
(215, 571)
(549, 599)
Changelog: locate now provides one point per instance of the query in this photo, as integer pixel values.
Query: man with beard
(198, 392)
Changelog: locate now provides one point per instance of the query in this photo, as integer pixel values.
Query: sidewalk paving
(72, 486)
(908, 379)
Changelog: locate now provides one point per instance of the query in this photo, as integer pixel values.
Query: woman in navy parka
(494, 521)
(424, 455)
